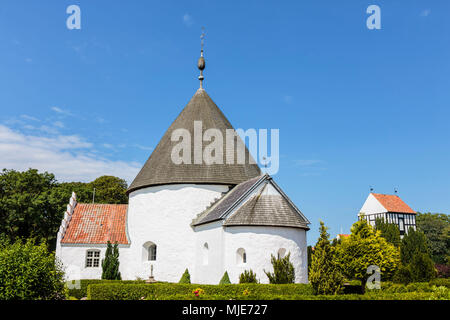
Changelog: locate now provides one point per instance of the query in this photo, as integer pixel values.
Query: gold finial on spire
(201, 60)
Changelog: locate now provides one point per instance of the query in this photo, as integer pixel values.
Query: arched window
(205, 253)
(149, 251)
(281, 253)
(241, 256)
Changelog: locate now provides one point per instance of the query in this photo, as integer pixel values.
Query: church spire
(201, 60)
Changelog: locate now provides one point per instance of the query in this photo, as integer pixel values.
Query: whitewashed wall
(259, 243)
(163, 214)
(371, 206)
(73, 258)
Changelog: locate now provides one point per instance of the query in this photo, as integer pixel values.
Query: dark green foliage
(324, 275)
(184, 291)
(389, 231)
(186, 277)
(27, 208)
(248, 276)
(109, 189)
(225, 279)
(436, 227)
(78, 289)
(283, 270)
(171, 291)
(309, 252)
(110, 264)
(29, 271)
(417, 265)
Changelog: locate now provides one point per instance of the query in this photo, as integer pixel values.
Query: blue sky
(355, 107)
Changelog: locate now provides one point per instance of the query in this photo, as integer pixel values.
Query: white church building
(207, 218)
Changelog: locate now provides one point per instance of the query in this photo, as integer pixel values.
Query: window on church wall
(149, 251)
(92, 259)
(205, 254)
(241, 256)
(152, 252)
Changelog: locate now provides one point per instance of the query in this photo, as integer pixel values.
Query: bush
(324, 274)
(225, 279)
(186, 277)
(29, 271)
(83, 284)
(173, 291)
(248, 276)
(441, 282)
(283, 270)
(110, 264)
(118, 291)
(443, 270)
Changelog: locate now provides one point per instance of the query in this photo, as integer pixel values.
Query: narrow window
(241, 256)
(152, 252)
(92, 258)
(205, 253)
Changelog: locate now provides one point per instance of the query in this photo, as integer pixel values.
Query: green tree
(29, 271)
(389, 231)
(26, 208)
(417, 265)
(225, 279)
(309, 252)
(109, 189)
(436, 227)
(366, 247)
(325, 276)
(186, 277)
(248, 276)
(283, 270)
(110, 265)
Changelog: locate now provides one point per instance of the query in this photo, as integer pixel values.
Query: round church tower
(165, 197)
(207, 217)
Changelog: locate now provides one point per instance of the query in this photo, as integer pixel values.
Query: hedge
(82, 291)
(415, 286)
(116, 291)
(172, 291)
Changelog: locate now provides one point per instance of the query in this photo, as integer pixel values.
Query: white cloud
(58, 124)
(425, 13)
(187, 20)
(145, 148)
(70, 158)
(62, 111)
(49, 130)
(27, 117)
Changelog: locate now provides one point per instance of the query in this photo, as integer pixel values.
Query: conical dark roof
(160, 169)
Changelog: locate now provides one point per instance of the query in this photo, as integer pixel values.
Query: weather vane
(201, 60)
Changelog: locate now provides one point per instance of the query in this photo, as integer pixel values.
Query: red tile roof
(341, 235)
(393, 203)
(97, 223)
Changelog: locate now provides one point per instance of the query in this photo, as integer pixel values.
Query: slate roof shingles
(159, 169)
(266, 210)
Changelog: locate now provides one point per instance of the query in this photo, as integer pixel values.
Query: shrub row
(116, 291)
(415, 286)
(173, 291)
(81, 291)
